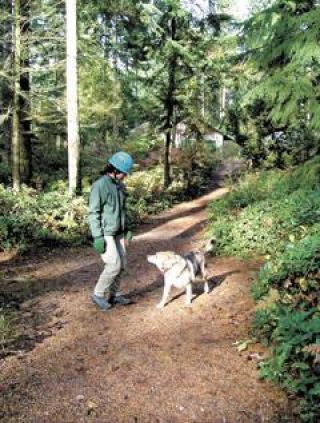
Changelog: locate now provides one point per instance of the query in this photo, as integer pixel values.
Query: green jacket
(107, 208)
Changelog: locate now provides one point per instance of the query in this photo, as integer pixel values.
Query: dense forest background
(144, 68)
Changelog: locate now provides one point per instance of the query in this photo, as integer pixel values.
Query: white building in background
(181, 134)
(216, 137)
(211, 135)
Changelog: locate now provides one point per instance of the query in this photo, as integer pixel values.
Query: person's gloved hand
(129, 236)
(99, 244)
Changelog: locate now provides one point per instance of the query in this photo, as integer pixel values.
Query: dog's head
(210, 246)
(164, 260)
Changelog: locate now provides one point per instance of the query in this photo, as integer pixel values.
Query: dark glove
(129, 236)
(99, 244)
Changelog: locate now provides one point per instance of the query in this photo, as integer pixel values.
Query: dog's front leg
(189, 295)
(166, 291)
(204, 277)
(203, 271)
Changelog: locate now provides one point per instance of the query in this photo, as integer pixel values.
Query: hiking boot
(101, 302)
(120, 299)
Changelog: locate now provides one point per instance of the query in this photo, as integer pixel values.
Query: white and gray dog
(181, 271)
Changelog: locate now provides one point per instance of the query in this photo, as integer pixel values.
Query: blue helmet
(122, 161)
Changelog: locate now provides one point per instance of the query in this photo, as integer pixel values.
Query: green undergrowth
(277, 215)
(8, 331)
(265, 210)
(30, 219)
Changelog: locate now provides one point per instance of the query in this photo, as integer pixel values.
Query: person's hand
(129, 236)
(99, 244)
(128, 239)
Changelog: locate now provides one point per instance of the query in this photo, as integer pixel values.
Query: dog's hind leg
(166, 291)
(204, 276)
(189, 295)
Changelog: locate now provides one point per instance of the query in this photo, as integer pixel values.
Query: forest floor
(75, 363)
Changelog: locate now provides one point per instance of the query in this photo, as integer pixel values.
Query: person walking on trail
(109, 229)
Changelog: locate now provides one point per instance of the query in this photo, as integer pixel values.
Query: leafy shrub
(7, 331)
(293, 333)
(278, 214)
(28, 217)
(292, 325)
(272, 185)
(265, 210)
(139, 143)
(147, 195)
(266, 226)
(306, 175)
(289, 271)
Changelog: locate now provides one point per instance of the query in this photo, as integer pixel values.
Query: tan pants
(115, 260)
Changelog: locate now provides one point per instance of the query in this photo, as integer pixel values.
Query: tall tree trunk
(25, 115)
(115, 118)
(58, 142)
(167, 160)
(222, 103)
(6, 49)
(72, 100)
(16, 135)
(170, 109)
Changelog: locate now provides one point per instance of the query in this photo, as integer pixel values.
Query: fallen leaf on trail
(255, 356)
(91, 405)
(243, 345)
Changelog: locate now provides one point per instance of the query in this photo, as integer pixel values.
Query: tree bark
(6, 50)
(170, 109)
(58, 142)
(16, 135)
(25, 112)
(72, 100)
(222, 103)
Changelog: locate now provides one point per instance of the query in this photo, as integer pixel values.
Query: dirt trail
(136, 363)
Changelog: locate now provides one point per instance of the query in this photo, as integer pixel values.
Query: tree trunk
(25, 112)
(6, 49)
(72, 100)
(170, 109)
(16, 135)
(167, 160)
(222, 103)
(115, 118)
(58, 142)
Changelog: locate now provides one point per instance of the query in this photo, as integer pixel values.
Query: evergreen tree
(171, 69)
(282, 45)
